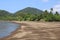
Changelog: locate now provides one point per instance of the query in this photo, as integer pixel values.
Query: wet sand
(29, 30)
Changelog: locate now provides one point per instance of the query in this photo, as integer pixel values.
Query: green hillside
(4, 13)
(30, 14)
(30, 10)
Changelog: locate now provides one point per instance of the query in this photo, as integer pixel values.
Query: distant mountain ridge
(30, 10)
(4, 13)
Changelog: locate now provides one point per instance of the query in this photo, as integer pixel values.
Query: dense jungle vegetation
(30, 14)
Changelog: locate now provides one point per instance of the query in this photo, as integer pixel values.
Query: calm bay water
(6, 28)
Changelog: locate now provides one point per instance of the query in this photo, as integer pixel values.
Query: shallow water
(6, 28)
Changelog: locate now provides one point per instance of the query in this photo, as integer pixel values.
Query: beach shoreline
(30, 24)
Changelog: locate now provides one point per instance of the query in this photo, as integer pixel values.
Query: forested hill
(30, 10)
(30, 14)
(4, 13)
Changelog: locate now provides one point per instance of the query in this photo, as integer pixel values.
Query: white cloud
(56, 8)
(45, 0)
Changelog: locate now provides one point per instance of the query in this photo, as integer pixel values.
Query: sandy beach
(29, 30)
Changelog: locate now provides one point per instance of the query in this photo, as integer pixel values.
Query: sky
(15, 5)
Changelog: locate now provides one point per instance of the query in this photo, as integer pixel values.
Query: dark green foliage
(30, 14)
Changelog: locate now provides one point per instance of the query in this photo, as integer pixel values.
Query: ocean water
(7, 27)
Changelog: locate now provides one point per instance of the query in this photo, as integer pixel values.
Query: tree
(56, 13)
(51, 9)
(57, 16)
(45, 14)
